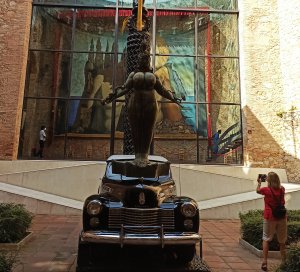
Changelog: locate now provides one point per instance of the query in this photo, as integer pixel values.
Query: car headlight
(94, 207)
(188, 209)
(94, 222)
(188, 224)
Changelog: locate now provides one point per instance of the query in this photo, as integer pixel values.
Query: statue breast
(144, 81)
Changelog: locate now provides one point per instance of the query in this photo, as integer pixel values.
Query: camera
(262, 177)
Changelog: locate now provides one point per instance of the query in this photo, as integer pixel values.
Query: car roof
(132, 157)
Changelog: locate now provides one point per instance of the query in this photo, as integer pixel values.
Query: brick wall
(15, 19)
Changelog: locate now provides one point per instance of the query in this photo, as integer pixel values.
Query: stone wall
(269, 42)
(15, 19)
(291, 128)
(289, 21)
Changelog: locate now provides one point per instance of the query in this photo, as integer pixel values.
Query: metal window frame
(74, 6)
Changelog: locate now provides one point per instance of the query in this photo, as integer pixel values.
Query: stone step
(204, 182)
(244, 172)
(221, 191)
(19, 166)
(77, 181)
(70, 181)
(229, 207)
(39, 202)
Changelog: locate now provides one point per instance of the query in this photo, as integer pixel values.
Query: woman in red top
(273, 193)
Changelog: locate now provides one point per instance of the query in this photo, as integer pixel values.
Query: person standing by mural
(42, 141)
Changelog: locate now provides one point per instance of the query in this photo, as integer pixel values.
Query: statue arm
(166, 93)
(119, 91)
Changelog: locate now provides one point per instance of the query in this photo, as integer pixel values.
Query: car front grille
(137, 220)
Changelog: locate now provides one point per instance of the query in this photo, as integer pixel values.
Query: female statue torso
(142, 112)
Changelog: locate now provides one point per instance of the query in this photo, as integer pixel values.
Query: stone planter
(258, 252)
(16, 246)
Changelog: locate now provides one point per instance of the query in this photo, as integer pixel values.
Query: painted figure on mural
(91, 116)
(93, 82)
(142, 105)
(215, 139)
(169, 111)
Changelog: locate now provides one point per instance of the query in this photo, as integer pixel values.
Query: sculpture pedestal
(151, 170)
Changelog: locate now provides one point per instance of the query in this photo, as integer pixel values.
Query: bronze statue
(142, 105)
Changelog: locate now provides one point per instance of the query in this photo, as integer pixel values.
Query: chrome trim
(122, 236)
(162, 239)
(138, 217)
(162, 236)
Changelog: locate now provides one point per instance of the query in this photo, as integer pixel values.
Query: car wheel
(81, 269)
(185, 254)
(83, 256)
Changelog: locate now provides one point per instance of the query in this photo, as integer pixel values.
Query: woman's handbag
(279, 211)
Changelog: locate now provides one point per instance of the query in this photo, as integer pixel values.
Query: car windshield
(112, 176)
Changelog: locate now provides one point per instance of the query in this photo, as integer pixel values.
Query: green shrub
(294, 215)
(293, 231)
(14, 222)
(292, 263)
(7, 261)
(252, 226)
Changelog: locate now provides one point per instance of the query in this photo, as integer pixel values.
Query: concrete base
(229, 207)
(257, 252)
(60, 187)
(39, 202)
(16, 246)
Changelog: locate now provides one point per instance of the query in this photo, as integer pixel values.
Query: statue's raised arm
(162, 91)
(119, 91)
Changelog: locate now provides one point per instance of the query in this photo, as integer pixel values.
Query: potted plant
(14, 223)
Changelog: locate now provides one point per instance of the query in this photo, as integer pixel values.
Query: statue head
(135, 4)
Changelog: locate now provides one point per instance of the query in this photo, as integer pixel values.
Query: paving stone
(54, 246)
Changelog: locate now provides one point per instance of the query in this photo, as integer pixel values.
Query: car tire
(81, 269)
(185, 254)
(83, 256)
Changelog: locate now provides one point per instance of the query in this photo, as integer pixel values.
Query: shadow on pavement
(141, 259)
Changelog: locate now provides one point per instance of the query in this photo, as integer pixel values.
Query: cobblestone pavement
(53, 246)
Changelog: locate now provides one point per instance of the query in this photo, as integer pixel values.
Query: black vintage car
(134, 211)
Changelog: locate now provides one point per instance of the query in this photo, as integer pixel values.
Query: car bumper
(111, 237)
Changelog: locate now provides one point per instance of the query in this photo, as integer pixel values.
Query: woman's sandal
(264, 267)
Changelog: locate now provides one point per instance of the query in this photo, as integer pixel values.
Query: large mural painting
(93, 73)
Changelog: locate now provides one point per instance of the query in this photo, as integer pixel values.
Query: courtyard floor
(53, 246)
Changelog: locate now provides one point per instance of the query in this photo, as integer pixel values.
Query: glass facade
(77, 57)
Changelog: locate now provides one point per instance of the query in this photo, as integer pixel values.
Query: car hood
(138, 194)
